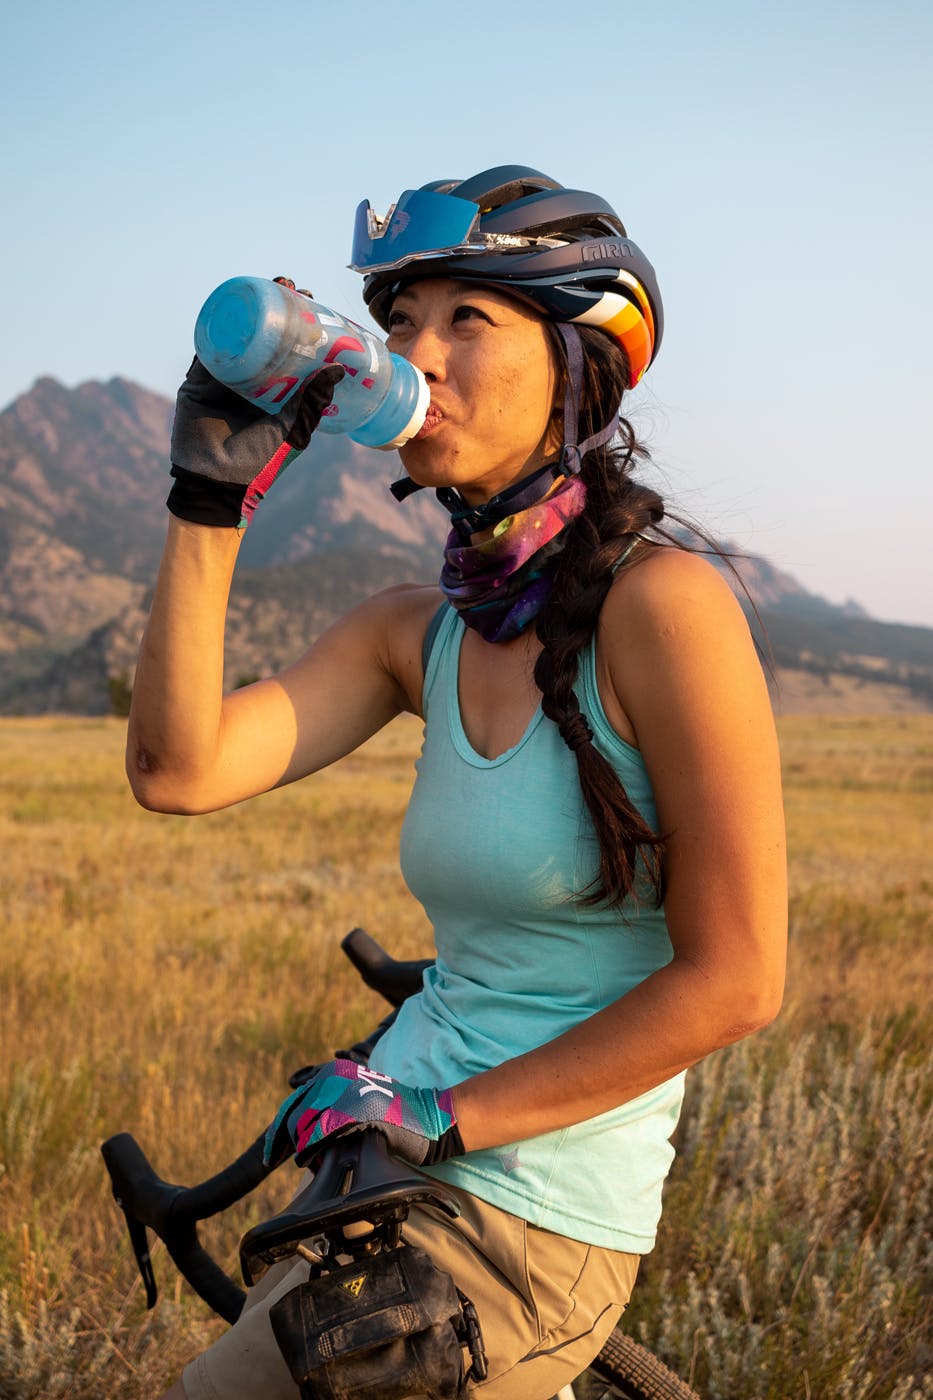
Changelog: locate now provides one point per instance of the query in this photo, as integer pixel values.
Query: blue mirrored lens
(423, 222)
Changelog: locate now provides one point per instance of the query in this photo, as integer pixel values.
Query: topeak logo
(609, 248)
(354, 1286)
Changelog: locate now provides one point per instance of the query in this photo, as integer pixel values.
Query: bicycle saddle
(356, 1181)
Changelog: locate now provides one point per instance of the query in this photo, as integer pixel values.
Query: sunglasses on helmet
(421, 224)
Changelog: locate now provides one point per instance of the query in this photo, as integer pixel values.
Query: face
(493, 377)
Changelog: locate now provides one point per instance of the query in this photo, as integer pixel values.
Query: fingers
(318, 391)
(200, 388)
(287, 282)
(326, 379)
(315, 399)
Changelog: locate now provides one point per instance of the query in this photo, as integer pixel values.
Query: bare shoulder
(672, 635)
(403, 604)
(668, 596)
(666, 586)
(403, 610)
(392, 624)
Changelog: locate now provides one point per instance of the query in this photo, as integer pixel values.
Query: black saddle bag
(389, 1327)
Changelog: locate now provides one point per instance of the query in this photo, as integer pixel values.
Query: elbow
(159, 791)
(741, 1029)
(155, 797)
(145, 778)
(153, 800)
(139, 771)
(757, 1005)
(737, 978)
(733, 1000)
(168, 802)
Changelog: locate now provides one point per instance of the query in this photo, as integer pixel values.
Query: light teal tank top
(495, 849)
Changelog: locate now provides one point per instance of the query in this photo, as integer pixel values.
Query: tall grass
(796, 1257)
(163, 975)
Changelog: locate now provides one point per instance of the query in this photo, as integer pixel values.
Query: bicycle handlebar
(172, 1211)
(393, 978)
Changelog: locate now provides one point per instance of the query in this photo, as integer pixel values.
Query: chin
(430, 467)
(429, 464)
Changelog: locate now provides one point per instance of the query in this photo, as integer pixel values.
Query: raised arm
(190, 748)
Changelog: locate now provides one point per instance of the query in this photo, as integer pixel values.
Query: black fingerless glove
(226, 452)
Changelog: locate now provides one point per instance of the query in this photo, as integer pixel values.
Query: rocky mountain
(83, 479)
(75, 468)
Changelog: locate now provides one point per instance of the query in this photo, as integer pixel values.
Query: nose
(427, 350)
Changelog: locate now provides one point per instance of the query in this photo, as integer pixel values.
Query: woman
(596, 827)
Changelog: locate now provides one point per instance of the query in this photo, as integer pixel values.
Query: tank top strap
(591, 704)
(434, 626)
(588, 687)
(441, 649)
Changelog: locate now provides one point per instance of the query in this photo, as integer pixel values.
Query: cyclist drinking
(595, 830)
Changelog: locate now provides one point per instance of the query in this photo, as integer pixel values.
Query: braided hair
(618, 511)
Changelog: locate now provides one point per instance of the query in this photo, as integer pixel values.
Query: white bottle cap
(416, 421)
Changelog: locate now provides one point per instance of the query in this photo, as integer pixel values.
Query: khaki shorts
(546, 1304)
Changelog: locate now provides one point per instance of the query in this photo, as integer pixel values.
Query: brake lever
(139, 1239)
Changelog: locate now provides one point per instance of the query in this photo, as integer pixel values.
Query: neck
(499, 559)
(469, 519)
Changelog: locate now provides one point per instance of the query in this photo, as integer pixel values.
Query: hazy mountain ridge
(78, 465)
(83, 479)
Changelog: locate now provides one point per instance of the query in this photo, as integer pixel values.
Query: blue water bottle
(264, 340)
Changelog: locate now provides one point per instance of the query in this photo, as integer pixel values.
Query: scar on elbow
(741, 1029)
(145, 761)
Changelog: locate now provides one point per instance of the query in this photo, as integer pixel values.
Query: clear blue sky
(773, 161)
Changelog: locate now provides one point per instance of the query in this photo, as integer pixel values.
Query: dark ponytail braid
(618, 510)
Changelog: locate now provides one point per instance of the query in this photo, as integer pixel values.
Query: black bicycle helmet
(566, 251)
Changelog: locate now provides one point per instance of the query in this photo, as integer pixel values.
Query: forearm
(175, 718)
(667, 1023)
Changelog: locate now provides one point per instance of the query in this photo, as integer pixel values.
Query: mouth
(433, 418)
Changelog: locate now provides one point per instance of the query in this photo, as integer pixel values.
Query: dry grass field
(163, 975)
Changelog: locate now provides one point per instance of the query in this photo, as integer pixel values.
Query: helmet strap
(405, 487)
(573, 452)
(469, 520)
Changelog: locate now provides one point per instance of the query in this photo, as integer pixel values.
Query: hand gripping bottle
(263, 340)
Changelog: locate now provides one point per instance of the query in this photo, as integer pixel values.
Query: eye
(467, 311)
(398, 318)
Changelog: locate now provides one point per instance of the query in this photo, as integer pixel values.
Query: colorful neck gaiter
(497, 572)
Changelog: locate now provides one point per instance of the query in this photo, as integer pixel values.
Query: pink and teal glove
(419, 1124)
